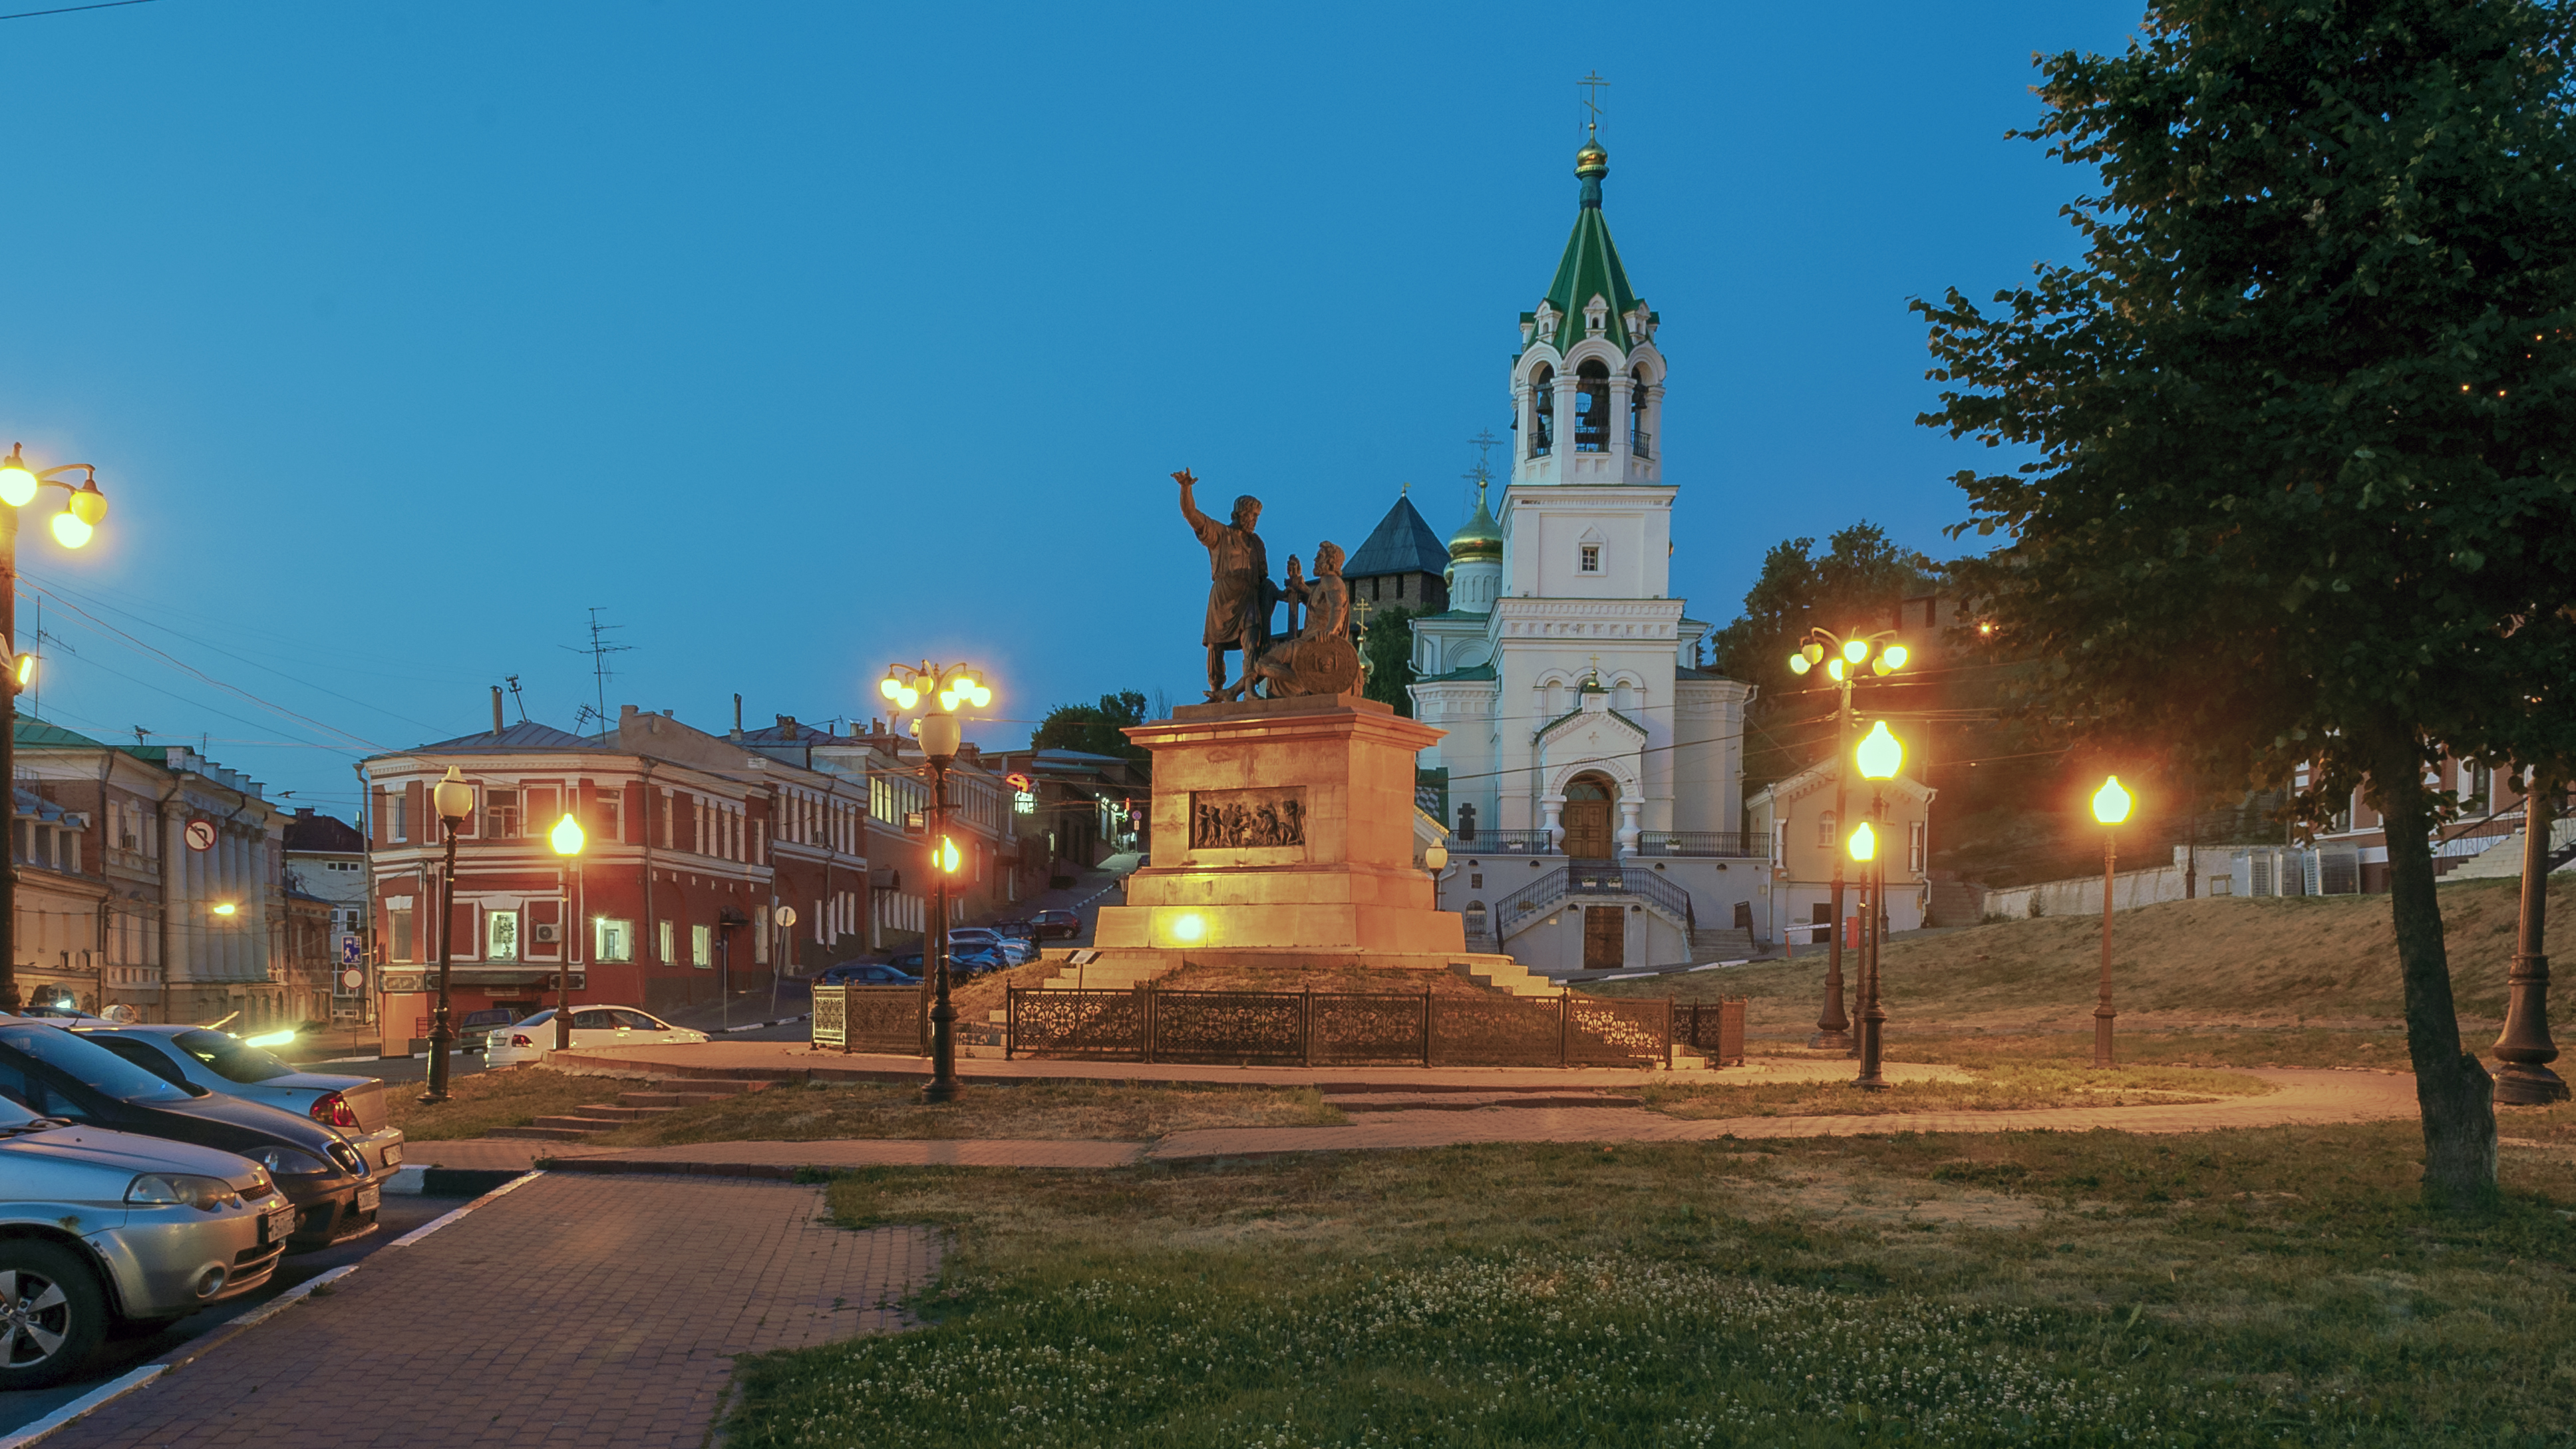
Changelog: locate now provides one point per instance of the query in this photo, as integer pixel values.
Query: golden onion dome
(1480, 537)
(1591, 161)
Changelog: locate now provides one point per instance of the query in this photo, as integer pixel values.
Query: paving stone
(573, 1311)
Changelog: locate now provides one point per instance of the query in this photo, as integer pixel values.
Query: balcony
(1723, 844)
(1641, 443)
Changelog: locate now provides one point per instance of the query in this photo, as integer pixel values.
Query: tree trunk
(2452, 1088)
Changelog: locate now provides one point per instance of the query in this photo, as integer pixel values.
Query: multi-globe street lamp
(86, 509)
(2110, 806)
(1880, 756)
(567, 839)
(906, 686)
(1841, 659)
(453, 800)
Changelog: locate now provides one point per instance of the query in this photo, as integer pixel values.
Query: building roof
(323, 834)
(1472, 674)
(40, 733)
(1590, 267)
(1402, 543)
(525, 737)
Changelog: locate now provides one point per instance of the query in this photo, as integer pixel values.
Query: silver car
(222, 1062)
(100, 1227)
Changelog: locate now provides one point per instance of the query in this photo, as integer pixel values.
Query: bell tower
(1588, 384)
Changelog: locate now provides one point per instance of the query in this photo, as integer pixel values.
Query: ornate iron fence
(872, 1018)
(1326, 1028)
(1714, 1029)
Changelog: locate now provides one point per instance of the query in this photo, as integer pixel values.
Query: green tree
(1094, 728)
(2298, 426)
(1386, 653)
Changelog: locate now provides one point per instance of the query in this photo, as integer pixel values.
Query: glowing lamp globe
(1834, 669)
(983, 696)
(70, 531)
(939, 736)
(1814, 653)
(90, 504)
(566, 837)
(1895, 655)
(1798, 664)
(453, 799)
(1864, 842)
(1436, 857)
(889, 687)
(948, 857)
(1879, 753)
(1855, 650)
(2111, 803)
(17, 482)
(907, 696)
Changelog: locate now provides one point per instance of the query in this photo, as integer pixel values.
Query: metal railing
(1504, 842)
(1641, 443)
(1746, 845)
(1596, 878)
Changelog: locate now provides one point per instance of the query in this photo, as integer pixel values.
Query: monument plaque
(1247, 819)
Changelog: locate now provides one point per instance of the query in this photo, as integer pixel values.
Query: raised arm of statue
(1200, 523)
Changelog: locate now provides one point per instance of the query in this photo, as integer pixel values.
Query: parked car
(100, 1229)
(1014, 950)
(976, 959)
(223, 1062)
(592, 1026)
(335, 1191)
(474, 1033)
(1061, 925)
(865, 973)
(910, 961)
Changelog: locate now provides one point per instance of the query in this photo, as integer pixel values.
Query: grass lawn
(1102, 1111)
(1991, 1085)
(480, 1101)
(2263, 1286)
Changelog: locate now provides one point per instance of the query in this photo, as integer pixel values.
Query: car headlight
(170, 1189)
(288, 1162)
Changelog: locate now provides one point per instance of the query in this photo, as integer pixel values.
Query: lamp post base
(2528, 1084)
(2102, 1020)
(1834, 1041)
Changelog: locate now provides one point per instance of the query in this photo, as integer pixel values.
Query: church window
(1592, 558)
(1542, 411)
(1592, 407)
(1825, 830)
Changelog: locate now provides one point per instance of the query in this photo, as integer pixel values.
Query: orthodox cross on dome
(1592, 86)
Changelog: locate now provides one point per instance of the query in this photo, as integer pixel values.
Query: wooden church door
(1586, 817)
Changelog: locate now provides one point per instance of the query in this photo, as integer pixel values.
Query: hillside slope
(2318, 960)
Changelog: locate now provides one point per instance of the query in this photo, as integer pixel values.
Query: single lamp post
(939, 732)
(1879, 756)
(568, 840)
(1436, 858)
(2110, 806)
(2524, 1046)
(453, 799)
(86, 508)
(1841, 660)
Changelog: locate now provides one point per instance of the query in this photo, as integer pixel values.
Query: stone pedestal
(1283, 835)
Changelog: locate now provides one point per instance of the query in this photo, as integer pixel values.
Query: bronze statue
(1321, 659)
(1240, 594)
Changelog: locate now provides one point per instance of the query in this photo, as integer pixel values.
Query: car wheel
(51, 1314)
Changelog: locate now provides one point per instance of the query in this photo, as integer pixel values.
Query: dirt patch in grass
(1988, 1085)
(480, 1101)
(1050, 1111)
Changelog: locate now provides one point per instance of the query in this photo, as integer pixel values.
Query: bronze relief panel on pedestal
(1248, 819)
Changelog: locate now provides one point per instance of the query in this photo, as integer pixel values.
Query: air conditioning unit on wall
(549, 933)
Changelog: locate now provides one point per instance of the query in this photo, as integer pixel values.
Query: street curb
(115, 1389)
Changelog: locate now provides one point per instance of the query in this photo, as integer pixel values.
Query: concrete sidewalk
(571, 1311)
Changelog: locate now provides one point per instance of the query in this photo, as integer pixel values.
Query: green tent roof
(1590, 267)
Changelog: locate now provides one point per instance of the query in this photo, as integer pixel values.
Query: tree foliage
(1386, 651)
(2300, 490)
(1094, 728)
(1853, 587)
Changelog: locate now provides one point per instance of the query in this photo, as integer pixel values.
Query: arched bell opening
(1592, 407)
(1542, 433)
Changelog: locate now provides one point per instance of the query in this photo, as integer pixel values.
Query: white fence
(2267, 870)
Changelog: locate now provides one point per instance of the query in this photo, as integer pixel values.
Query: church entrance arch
(1586, 817)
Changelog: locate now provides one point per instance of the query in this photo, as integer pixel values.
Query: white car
(592, 1026)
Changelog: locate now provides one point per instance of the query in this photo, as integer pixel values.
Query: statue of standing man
(1240, 594)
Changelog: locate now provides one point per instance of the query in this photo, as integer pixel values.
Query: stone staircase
(1721, 943)
(1510, 976)
(668, 1096)
(2503, 861)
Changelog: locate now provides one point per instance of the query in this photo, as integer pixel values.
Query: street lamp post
(2524, 1047)
(939, 732)
(1841, 659)
(2110, 806)
(453, 799)
(1879, 756)
(1437, 859)
(19, 485)
(568, 840)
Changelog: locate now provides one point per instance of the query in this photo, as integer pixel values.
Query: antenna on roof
(599, 649)
(517, 699)
(1592, 86)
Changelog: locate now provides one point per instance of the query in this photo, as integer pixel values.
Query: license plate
(393, 1155)
(278, 1225)
(369, 1196)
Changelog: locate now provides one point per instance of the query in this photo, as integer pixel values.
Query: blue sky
(804, 337)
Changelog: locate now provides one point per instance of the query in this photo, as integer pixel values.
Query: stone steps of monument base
(1721, 943)
(1515, 978)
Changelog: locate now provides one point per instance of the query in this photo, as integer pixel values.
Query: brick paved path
(574, 1312)
(2305, 1098)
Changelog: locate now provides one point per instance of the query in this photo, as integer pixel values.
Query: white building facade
(1595, 773)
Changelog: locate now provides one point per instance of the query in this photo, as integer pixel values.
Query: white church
(1595, 770)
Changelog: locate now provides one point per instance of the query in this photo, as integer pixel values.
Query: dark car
(474, 1032)
(1060, 924)
(334, 1190)
(962, 961)
(865, 973)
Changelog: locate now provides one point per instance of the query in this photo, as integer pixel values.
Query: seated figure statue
(1321, 659)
